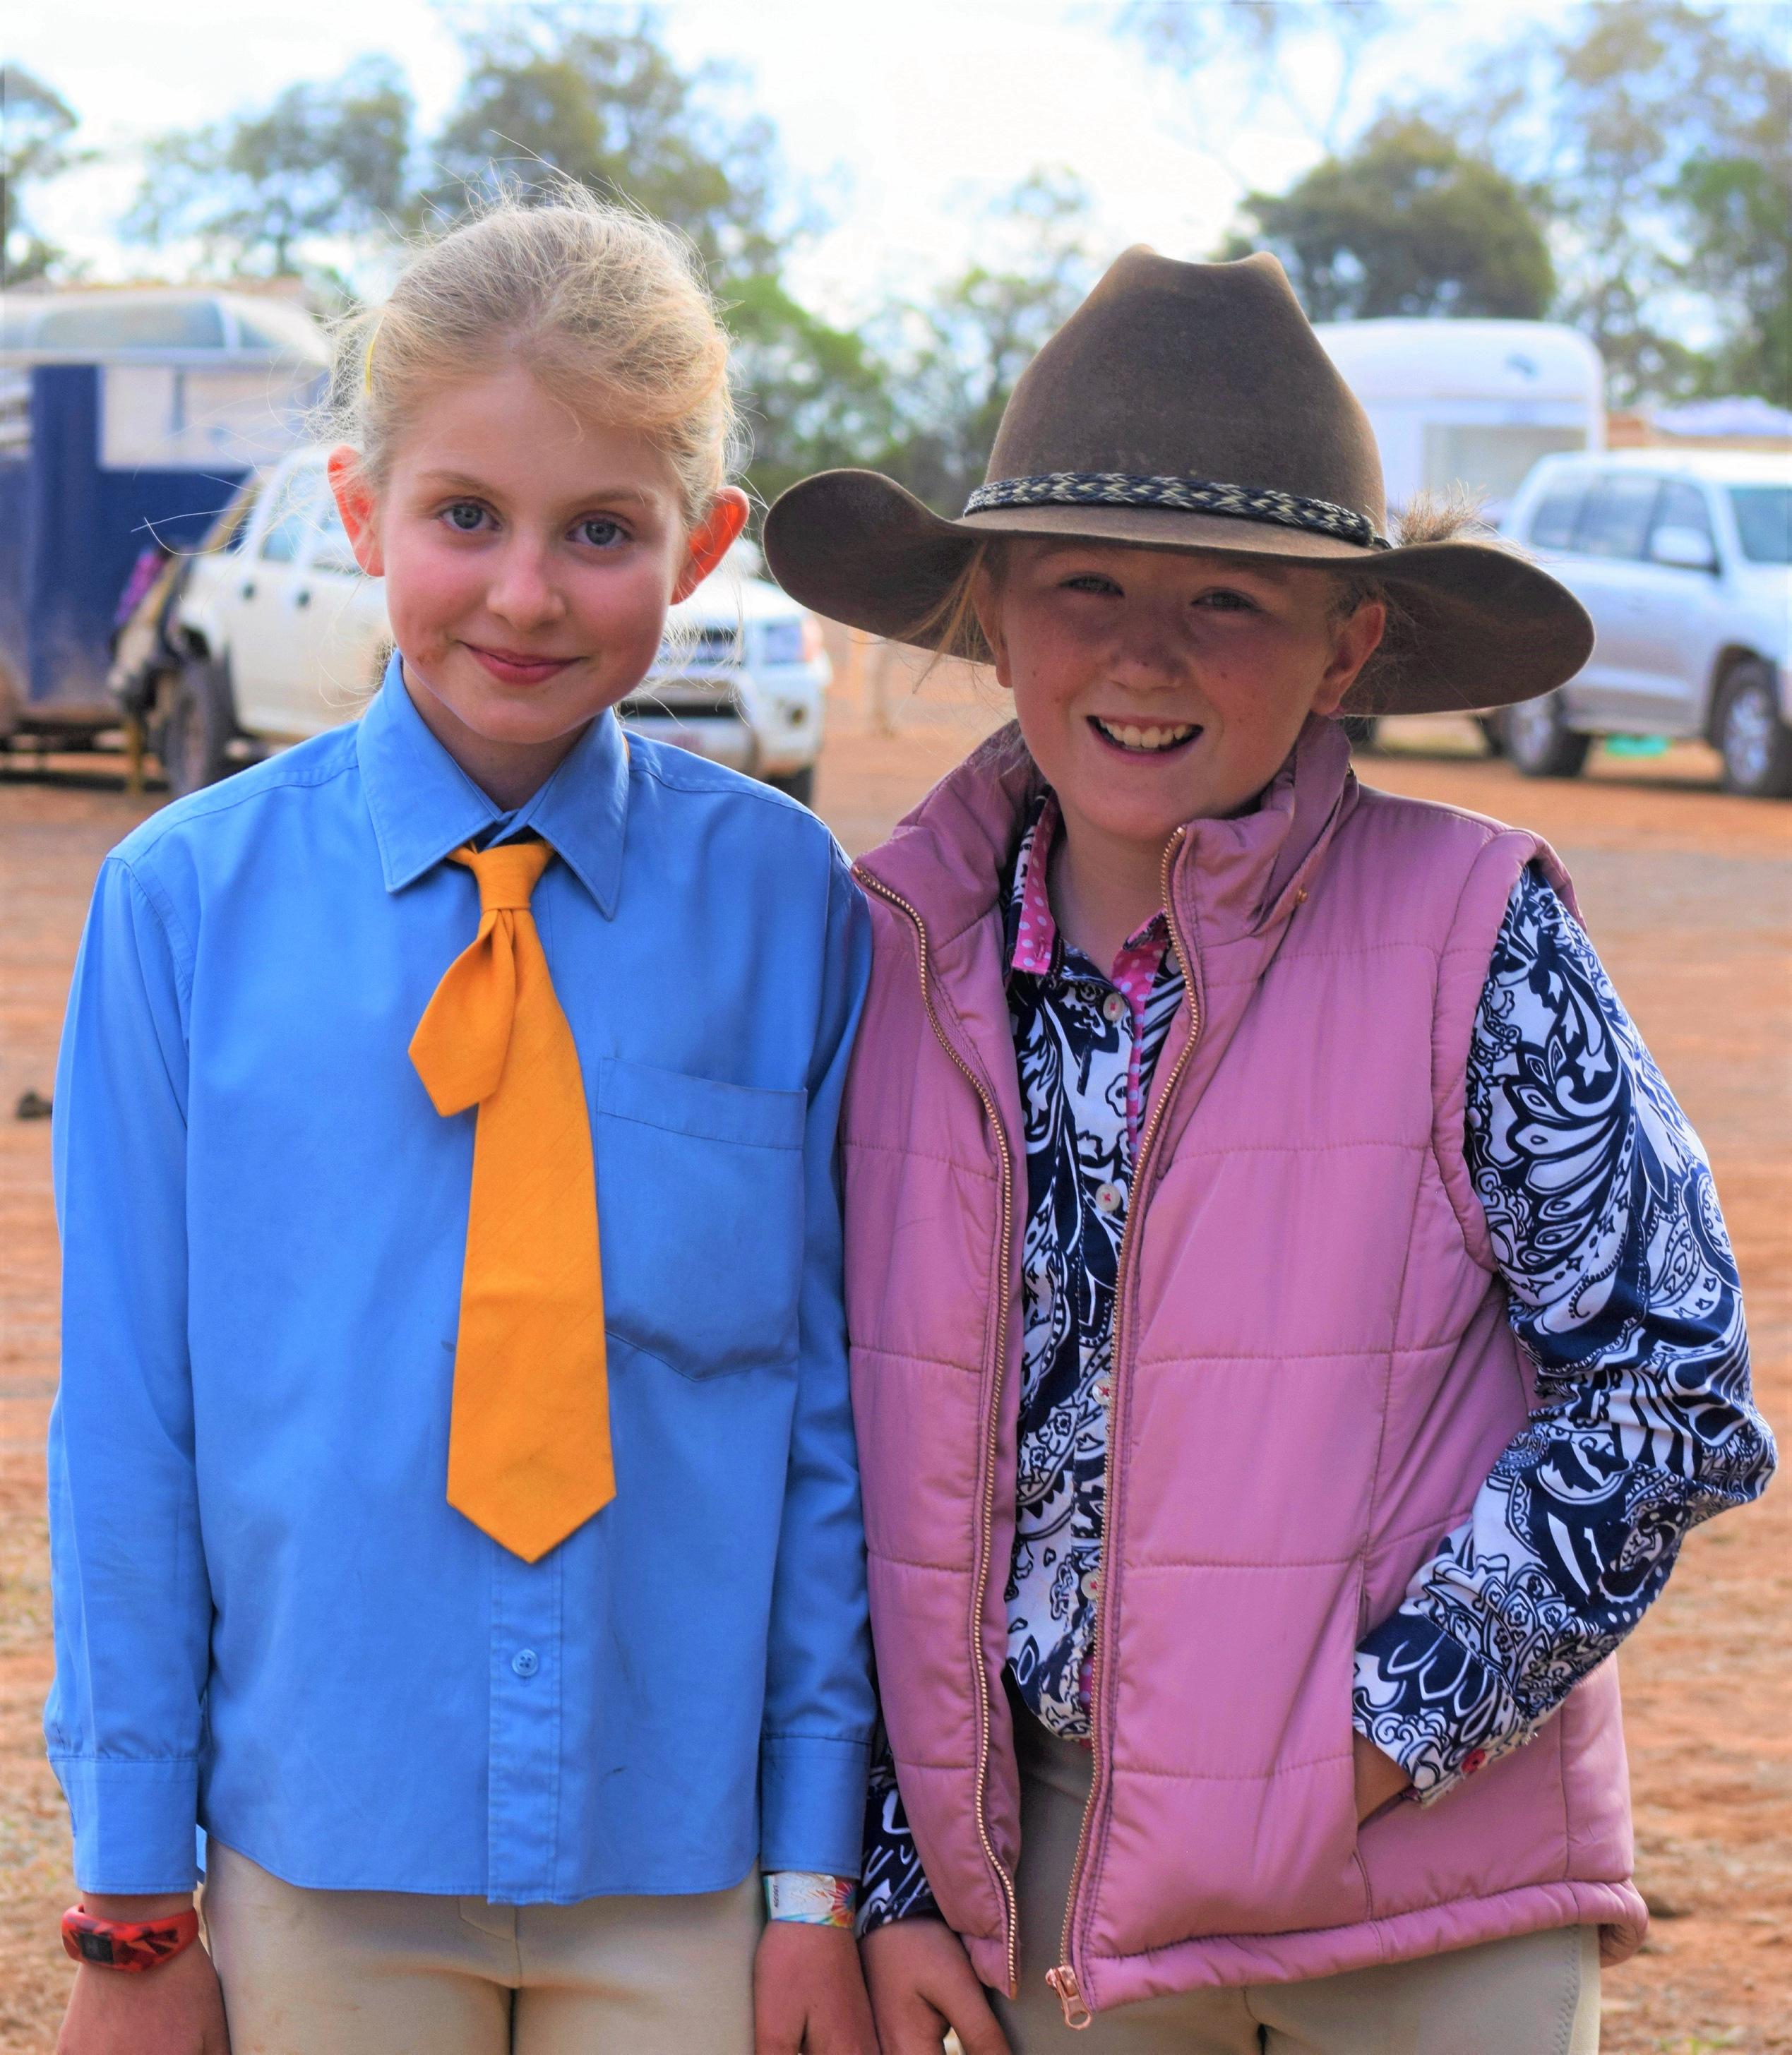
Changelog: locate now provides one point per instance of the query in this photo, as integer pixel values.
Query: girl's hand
(809, 1993)
(1378, 1778)
(922, 1985)
(175, 2009)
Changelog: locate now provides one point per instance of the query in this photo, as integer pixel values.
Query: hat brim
(1478, 626)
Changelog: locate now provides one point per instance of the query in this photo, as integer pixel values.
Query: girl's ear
(356, 504)
(1355, 640)
(712, 539)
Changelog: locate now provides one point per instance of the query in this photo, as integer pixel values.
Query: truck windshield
(1764, 522)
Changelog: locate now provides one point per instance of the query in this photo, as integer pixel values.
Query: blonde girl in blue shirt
(501, 1772)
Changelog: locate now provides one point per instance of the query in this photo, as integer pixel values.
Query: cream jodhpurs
(399, 1972)
(1537, 1994)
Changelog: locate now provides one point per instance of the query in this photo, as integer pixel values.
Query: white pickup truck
(273, 633)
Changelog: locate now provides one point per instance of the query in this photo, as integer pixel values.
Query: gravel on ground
(1688, 895)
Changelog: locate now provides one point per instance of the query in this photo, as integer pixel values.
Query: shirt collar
(1034, 945)
(423, 805)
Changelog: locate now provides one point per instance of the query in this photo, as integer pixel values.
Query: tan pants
(1536, 1995)
(398, 1972)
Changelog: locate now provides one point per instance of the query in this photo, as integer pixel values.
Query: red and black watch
(128, 1944)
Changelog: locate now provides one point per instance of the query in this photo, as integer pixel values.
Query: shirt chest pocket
(700, 1216)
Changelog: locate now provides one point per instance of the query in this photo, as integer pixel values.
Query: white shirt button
(1114, 1006)
(1108, 1197)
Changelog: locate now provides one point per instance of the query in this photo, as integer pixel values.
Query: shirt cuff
(884, 1907)
(1432, 1705)
(135, 1823)
(812, 1804)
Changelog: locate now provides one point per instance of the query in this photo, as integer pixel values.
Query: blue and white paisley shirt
(1622, 1289)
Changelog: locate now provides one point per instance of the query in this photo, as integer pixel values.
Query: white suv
(274, 633)
(1684, 560)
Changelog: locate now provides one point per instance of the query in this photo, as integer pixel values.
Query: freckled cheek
(1051, 669)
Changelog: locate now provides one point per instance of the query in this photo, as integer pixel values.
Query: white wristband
(806, 1898)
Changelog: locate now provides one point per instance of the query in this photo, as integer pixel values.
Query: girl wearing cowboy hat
(1292, 1326)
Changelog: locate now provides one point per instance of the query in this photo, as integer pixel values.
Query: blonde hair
(605, 306)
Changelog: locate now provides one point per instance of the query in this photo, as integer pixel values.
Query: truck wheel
(799, 784)
(1755, 743)
(194, 735)
(1540, 742)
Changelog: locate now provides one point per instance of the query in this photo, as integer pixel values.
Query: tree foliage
(36, 126)
(588, 93)
(957, 354)
(324, 162)
(813, 396)
(1254, 44)
(1739, 207)
(1405, 224)
(1655, 133)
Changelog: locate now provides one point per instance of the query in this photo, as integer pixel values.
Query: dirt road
(1689, 896)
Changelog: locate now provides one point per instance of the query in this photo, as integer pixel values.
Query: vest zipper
(985, 1529)
(1063, 1979)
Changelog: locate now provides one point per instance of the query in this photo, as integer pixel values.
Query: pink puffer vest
(1313, 1374)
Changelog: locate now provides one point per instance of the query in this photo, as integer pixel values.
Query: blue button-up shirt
(269, 1622)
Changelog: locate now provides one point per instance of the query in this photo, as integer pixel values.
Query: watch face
(95, 1948)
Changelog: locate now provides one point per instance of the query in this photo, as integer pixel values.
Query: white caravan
(1472, 403)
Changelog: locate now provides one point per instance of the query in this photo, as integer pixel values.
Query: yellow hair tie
(367, 358)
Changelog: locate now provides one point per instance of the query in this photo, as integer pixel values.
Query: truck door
(1611, 578)
(349, 636)
(1682, 612)
(270, 637)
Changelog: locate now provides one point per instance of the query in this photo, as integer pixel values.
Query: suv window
(1552, 525)
(1682, 506)
(1615, 521)
(1764, 522)
(292, 515)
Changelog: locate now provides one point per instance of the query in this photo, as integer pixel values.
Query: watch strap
(126, 1944)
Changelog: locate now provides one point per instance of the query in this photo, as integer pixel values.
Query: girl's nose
(522, 591)
(1148, 652)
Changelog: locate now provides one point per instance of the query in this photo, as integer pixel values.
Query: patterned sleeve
(892, 1884)
(1623, 1292)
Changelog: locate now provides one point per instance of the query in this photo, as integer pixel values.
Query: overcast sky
(902, 119)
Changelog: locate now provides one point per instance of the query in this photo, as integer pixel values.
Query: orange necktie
(529, 1443)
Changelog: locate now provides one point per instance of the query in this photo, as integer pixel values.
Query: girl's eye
(465, 516)
(1089, 582)
(600, 532)
(1227, 602)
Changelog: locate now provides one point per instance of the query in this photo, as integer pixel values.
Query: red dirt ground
(1688, 894)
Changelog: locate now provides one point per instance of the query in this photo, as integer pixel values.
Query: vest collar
(1229, 878)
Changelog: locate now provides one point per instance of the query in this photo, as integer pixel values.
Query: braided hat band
(1185, 496)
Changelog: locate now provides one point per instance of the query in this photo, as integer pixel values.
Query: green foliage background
(1629, 170)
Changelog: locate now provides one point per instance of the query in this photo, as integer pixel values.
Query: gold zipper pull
(1062, 1981)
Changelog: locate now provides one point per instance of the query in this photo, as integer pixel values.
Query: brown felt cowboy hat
(1191, 407)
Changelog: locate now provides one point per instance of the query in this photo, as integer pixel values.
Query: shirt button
(1092, 1583)
(1113, 1007)
(1104, 1392)
(525, 1662)
(1107, 1197)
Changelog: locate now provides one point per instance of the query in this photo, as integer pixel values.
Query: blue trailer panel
(105, 452)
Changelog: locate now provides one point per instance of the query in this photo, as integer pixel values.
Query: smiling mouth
(518, 667)
(1145, 738)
